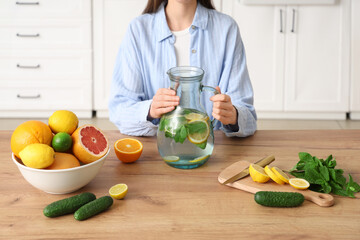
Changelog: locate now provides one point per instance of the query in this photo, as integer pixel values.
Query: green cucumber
(68, 205)
(279, 199)
(92, 208)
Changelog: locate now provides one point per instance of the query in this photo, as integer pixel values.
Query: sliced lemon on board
(258, 174)
(118, 191)
(272, 175)
(171, 158)
(299, 183)
(202, 136)
(199, 159)
(280, 174)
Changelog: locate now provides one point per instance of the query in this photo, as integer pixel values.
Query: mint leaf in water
(202, 145)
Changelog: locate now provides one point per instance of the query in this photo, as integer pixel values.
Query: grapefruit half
(89, 143)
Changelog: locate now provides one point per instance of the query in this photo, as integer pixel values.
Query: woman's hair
(153, 5)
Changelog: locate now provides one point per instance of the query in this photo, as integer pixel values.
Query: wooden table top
(168, 203)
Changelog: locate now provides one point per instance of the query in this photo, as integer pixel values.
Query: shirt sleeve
(128, 106)
(235, 82)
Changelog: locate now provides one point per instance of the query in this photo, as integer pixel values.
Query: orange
(128, 150)
(30, 132)
(63, 161)
(89, 143)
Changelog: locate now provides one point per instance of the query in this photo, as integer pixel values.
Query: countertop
(168, 203)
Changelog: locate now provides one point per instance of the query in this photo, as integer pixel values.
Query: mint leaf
(305, 157)
(325, 173)
(196, 127)
(298, 174)
(311, 175)
(162, 124)
(201, 145)
(352, 186)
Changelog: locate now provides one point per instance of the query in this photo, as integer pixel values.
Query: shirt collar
(162, 29)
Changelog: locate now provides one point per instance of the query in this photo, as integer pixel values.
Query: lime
(37, 155)
(61, 142)
(118, 191)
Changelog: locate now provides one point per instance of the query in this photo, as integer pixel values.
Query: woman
(180, 33)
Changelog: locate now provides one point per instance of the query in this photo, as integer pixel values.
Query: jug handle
(213, 90)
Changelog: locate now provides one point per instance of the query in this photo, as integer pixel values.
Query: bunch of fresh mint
(323, 177)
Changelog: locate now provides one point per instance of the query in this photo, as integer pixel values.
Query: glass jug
(185, 137)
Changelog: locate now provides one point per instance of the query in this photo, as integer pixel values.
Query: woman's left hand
(223, 109)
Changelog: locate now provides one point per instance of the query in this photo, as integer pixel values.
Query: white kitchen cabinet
(45, 57)
(355, 60)
(298, 57)
(110, 21)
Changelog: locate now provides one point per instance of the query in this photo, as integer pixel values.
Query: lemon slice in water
(199, 159)
(171, 158)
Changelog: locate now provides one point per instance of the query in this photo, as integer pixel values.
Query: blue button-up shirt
(147, 52)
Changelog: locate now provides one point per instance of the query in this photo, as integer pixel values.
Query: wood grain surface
(168, 203)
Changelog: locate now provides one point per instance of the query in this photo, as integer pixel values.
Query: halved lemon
(299, 183)
(272, 175)
(258, 174)
(199, 137)
(118, 191)
(280, 174)
(199, 159)
(171, 158)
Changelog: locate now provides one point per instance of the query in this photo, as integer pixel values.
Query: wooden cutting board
(248, 185)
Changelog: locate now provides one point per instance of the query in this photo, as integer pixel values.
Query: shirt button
(193, 51)
(193, 27)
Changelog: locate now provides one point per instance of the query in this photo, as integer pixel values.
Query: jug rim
(174, 73)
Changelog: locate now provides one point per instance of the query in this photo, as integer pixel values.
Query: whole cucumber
(68, 205)
(92, 208)
(279, 199)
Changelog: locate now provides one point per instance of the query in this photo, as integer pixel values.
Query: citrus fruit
(63, 161)
(30, 132)
(128, 150)
(197, 136)
(272, 175)
(61, 142)
(199, 159)
(171, 158)
(118, 191)
(299, 183)
(89, 143)
(280, 174)
(37, 155)
(194, 116)
(258, 174)
(63, 121)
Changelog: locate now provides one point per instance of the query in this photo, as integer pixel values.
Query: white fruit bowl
(60, 181)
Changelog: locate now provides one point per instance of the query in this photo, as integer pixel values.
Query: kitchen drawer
(45, 65)
(64, 95)
(53, 34)
(45, 9)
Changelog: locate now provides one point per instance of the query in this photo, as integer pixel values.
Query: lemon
(118, 191)
(272, 175)
(193, 116)
(171, 158)
(280, 174)
(63, 121)
(199, 137)
(199, 159)
(37, 155)
(299, 183)
(258, 174)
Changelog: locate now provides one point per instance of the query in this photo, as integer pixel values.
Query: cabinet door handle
(281, 21)
(27, 3)
(24, 66)
(293, 22)
(27, 35)
(28, 96)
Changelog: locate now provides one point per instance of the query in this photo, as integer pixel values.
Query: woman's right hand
(164, 101)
